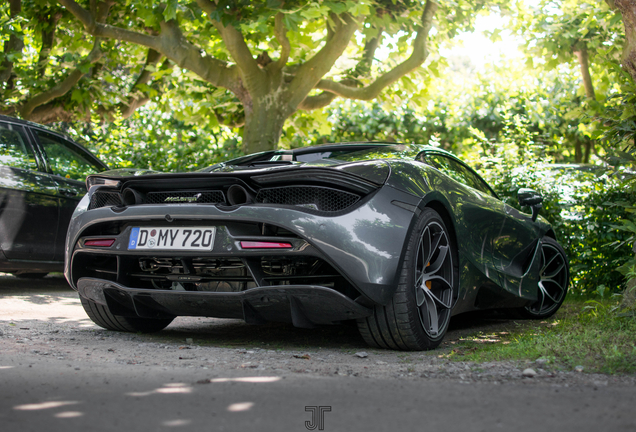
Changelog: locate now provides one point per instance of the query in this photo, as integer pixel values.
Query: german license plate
(172, 238)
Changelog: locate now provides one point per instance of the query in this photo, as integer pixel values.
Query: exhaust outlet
(132, 197)
(237, 195)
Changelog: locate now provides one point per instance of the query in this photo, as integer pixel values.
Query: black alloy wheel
(418, 315)
(434, 279)
(553, 282)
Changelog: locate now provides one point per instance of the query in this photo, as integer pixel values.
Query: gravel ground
(44, 320)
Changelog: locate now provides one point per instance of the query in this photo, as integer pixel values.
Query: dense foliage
(155, 140)
(571, 99)
(248, 65)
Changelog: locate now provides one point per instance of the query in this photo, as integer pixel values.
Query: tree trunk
(263, 127)
(582, 56)
(628, 11)
(578, 152)
(588, 150)
(12, 46)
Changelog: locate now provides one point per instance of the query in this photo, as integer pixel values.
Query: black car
(42, 179)
(397, 237)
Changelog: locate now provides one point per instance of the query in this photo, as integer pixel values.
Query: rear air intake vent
(312, 197)
(105, 199)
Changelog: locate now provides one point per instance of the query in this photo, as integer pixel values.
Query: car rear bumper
(301, 305)
(364, 246)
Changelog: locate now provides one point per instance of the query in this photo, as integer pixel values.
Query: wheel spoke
(554, 273)
(441, 257)
(427, 292)
(542, 286)
(434, 247)
(431, 312)
(420, 297)
(545, 292)
(546, 265)
(542, 294)
(424, 242)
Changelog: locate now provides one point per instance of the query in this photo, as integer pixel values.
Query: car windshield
(398, 151)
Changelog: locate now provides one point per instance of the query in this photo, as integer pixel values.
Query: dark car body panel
(364, 243)
(36, 204)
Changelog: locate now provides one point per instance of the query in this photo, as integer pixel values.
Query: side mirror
(532, 199)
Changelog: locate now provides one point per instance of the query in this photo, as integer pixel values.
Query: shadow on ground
(236, 333)
(54, 290)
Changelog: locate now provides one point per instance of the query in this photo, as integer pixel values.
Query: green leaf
(170, 12)
(336, 7)
(312, 13)
(291, 21)
(626, 155)
(274, 4)
(360, 8)
(85, 67)
(77, 95)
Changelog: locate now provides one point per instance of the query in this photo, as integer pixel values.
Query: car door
(28, 199)
(477, 211)
(69, 165)
(507, 234)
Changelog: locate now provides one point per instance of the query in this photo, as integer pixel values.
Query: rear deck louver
(181, 197)
(318, 198)
(314, 197)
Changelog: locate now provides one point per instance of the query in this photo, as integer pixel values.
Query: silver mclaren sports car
(397, 237)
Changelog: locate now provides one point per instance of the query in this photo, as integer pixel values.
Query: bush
(581, 204)
(154, 140)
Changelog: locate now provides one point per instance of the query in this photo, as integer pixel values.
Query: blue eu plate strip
(134, 235)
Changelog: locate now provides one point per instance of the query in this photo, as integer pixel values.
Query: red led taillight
(99, 242)
(265, 245)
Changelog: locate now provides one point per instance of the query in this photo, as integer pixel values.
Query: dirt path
(44, 319)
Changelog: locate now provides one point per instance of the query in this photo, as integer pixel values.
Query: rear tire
(102, 316)
(553, 283)
(418, 315)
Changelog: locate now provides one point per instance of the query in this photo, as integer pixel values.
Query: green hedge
(585, 205)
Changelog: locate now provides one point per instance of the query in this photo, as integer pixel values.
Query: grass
(591, 334)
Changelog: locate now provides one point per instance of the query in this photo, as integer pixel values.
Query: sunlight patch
(44, 405)
(256, 379)
(240, 406)
(69, 414)
(176, 423)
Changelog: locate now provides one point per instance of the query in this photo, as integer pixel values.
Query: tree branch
(251, 73)
(50, 113)
(98, 29)
(229, 121)
(140, 98)
(417, 58)
(318, 101)
(62, 88)
(580, 50)
(48, 38)
(171, 43)
(362, 68)
(14, 44)
(280, 32)
(310, 73)
(364, 65)
(188, 56)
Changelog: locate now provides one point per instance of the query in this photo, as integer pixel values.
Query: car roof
(36, 125)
